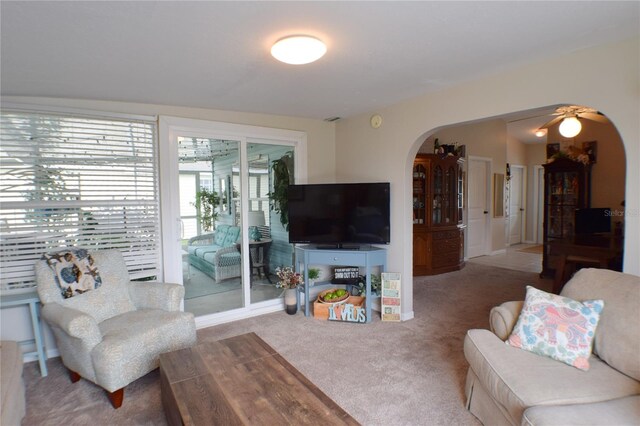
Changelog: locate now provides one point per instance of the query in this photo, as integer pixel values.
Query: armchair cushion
(618, 412)
(618, 333)
(231, 237)
(557, 327)
(518, 379)
(74, 271)
(220, 234)
(154, 295)
(132, 342)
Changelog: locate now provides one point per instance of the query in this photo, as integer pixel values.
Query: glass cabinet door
(562, 201)
(420, 181)
(450, 196)
(460, 194)
(437, 195)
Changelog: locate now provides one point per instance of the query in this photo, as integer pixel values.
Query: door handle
(485, 212)
(521, 210)
(181, 228)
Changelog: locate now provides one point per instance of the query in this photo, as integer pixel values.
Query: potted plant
(361, 287)
(282, 176)
(313, 274)
(289, 280)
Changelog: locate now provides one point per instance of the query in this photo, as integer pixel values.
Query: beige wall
(605, 78)
(516, 151)
(321, 149)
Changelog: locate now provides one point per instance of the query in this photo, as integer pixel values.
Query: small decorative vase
(291, 300)
(254, 233)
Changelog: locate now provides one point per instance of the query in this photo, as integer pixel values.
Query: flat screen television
(340, 215)
(593, 221)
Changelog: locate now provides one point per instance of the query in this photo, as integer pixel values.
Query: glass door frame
(170, 128)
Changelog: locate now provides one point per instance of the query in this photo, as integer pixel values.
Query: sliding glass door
(227, 229)
(271, 169)
(210, 237)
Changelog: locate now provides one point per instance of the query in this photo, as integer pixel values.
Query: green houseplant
(206, 202)
(361, 287)
(314, 274)
(282, 176)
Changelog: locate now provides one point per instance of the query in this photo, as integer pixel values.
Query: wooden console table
(365, 256)
(241, 381)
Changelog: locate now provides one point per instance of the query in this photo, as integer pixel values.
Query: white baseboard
(406, 316)
(529, 242)
(501, 251)
(237, 314)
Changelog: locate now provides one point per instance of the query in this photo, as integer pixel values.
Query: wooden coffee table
(241, 381)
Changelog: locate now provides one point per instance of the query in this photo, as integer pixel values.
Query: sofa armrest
(73, 323)
(219, 260)
(155, 295)
(202, 240)
(503, 318)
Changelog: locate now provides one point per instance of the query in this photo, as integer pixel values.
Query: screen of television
(593, 221)
(339, 213)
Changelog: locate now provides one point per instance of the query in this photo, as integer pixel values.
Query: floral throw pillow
(557, 327)
(74, 271)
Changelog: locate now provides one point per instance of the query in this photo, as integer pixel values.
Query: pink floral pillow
(557, 327)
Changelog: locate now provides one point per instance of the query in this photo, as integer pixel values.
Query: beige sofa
(11, 384)
(510, 386)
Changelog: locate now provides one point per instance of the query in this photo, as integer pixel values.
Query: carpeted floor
(409, 373)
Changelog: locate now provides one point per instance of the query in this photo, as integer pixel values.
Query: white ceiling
(216, 54)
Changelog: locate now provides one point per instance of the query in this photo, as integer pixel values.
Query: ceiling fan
(569, 115)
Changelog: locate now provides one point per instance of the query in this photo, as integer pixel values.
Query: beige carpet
(409, 373)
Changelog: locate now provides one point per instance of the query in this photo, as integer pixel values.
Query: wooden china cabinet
(438, 239)
(567, 187)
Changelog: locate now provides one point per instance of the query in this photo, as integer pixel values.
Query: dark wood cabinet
(438, 239)
(567, 187)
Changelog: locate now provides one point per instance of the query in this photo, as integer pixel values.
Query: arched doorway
(510, 140)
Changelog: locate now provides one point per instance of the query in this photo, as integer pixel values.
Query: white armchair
(114, 334)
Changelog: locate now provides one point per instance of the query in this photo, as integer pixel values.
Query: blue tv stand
(365, 256)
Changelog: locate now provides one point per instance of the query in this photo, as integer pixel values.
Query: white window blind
(76, 181)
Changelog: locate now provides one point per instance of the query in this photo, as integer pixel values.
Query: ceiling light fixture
(570, 127)
(298, 49)
(540, 133)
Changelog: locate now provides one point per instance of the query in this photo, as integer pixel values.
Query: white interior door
(478, 207)
(516, 205)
